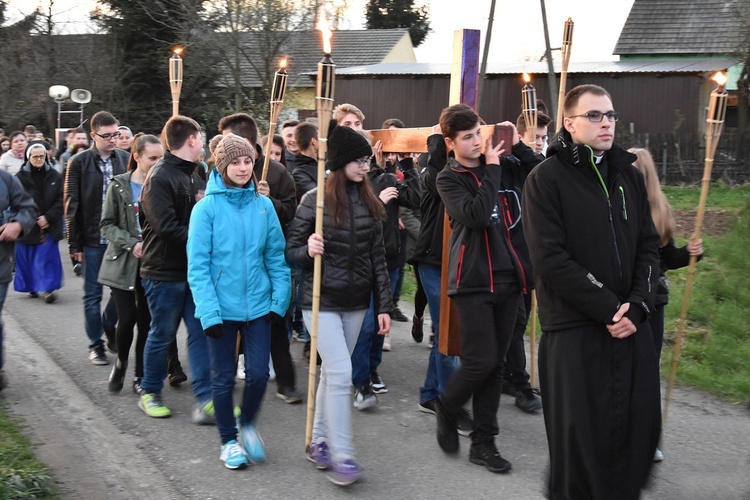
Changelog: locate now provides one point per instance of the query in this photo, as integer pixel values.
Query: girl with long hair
(671, 257)
(119, 270)
(354, 266)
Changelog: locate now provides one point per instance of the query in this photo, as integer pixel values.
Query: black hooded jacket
(487, 244)
(592, 241)
(48, 200)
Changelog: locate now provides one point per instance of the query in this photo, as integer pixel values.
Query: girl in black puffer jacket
(353, 266)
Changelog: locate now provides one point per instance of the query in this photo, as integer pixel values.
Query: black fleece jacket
(484, 212)
(592, 241)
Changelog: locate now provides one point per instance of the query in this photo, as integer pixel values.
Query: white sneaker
(658, 455)
(233, 455)
(387, 342)
(364, 398)
(241, 367)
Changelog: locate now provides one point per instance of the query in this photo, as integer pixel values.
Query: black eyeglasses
(109, 137)
(38, 157)
(598, 116)
(364, 161)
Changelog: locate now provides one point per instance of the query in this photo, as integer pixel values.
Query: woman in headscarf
(38, 264)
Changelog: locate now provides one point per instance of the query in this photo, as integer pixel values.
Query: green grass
(716, 352)
(720, 196)
(21, 474)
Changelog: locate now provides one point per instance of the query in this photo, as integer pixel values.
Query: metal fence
(680, 158)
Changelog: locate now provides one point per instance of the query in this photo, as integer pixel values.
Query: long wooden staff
(565, 51)
(324, 105)
(717, 110)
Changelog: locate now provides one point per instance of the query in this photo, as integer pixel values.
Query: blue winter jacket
(235, 249)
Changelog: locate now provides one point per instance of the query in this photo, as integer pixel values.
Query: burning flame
(526, 78)
(323, 27)
(282, 64)
(178, 51)
(720, 78)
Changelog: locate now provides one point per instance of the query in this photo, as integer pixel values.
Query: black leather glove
(215, 331)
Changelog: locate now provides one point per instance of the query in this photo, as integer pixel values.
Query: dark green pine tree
(143, 35)
(383, 14)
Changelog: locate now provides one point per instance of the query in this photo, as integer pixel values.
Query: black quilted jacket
(354, 259)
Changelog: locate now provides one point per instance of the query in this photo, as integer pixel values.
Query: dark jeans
(439, 367)
(368, 353)
(256, 336)
(486, 321)
(515, 368)
(94, 320)
(3, 294)
(168, 302)
(282, 359)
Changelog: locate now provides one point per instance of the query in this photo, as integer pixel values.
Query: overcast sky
(517, 33)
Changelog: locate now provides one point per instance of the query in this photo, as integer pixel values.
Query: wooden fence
(680, 158)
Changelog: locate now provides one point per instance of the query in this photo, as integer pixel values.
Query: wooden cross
(463, 90)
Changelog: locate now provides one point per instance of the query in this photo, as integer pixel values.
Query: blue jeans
(256, 346)
(3, 294)
(94, 320)
(368, 353)
(439, 367)
(168, 302)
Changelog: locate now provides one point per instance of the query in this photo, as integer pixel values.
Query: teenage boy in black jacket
(169, 194)
(595, 254)
(86, 180)
(485, 279)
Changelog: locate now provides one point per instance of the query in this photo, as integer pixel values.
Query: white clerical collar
(599, 158)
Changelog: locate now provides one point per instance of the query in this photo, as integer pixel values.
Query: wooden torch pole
(277, 102)
(324, 105)
(175, 79)
(565, 50)
(717, 110)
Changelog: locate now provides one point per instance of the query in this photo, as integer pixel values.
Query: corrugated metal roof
(629, 66)
(683, 27)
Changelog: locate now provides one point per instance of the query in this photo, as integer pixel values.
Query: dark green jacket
(120, 227)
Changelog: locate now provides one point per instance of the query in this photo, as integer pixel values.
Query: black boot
(117, 376)
(447, 429)
(176, 374)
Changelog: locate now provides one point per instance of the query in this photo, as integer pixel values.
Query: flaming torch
(175, 79)
(324, 104)
(277, 102)
(565, 50)
(717, 110)
(528, 106)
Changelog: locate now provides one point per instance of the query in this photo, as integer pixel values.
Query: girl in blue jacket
(238, 277)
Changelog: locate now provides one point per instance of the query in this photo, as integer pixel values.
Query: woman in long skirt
(38, 264)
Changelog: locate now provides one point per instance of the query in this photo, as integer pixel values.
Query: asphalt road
(101, 445)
